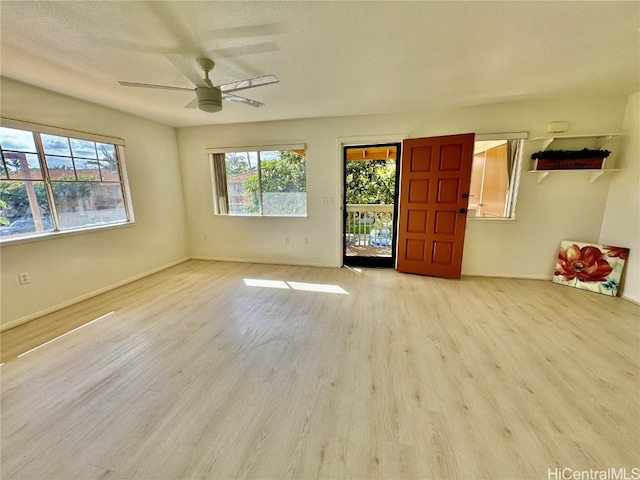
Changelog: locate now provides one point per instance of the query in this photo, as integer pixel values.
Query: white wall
(71, 267)
(171, 227)
(621, 223)
(564, 206)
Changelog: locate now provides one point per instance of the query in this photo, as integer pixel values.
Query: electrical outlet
(24, 278)
(286, 240)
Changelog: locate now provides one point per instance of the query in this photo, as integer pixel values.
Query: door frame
(379, 262)
(351, 141)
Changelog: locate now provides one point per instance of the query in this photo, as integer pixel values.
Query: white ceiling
(333, 58)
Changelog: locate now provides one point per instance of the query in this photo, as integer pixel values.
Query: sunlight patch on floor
(318, 287)
(306, 287)
(257, 282)
(354, 269)
(64, 334)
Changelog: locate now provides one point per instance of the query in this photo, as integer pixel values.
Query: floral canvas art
(592, 267)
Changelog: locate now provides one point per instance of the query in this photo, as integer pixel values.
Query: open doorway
(489, 188)
(370, 204)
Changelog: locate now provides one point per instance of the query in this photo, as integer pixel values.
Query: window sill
(492, 219)
(249, 215)
(66, 233)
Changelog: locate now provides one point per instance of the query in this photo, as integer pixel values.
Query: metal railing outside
(369, 224)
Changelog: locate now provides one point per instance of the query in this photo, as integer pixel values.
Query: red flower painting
(593, 267)
(619, 252)
(586, 264)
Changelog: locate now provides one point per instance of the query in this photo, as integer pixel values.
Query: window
(50, 182)
(495, 175)
(260, 181)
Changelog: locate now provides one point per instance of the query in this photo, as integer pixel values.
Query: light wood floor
(197, 375)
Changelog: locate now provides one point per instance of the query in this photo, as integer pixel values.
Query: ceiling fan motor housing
(209, 99)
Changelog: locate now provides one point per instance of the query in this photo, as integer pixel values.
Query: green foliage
(565, 154)
(284, 174)
(3, 220)
(15, 202)
(69, 188)
(14, 196)
(371, 182)
(235, 164)
(360, 228)
(252, 193)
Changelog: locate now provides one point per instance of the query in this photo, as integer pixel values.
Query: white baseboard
(628, 299)
(518, 277)
(538, 277)
(267, 262)
(87, 296)
(102, 290)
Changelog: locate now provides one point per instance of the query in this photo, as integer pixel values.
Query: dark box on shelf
(569, 163)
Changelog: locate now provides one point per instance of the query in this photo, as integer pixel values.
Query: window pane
(87, 170)
(82, 204)
(23, 166)
(109, 170)
(83, 148)
(85, 179)
(106, 151)
(108, 162)
(242, 182)
(20, 140)
(269, 182)
(55, 145)
(25, 208)
(60, 168)
(284, 187)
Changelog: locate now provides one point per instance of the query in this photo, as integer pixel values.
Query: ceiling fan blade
(192, 104)
(185, 67)
(151, 85)
(246, 101)
(248, 83)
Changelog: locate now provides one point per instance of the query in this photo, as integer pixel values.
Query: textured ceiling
(333, 58)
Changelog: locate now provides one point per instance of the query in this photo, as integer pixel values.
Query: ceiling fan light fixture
(209, 99)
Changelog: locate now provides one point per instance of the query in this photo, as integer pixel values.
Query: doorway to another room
(370, 204)
(490, 174)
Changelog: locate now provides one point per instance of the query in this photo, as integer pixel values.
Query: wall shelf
(601, 138)
(594, 174)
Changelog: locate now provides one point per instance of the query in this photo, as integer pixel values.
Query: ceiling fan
(208, 97)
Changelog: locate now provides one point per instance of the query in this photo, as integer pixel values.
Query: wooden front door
(434, 195)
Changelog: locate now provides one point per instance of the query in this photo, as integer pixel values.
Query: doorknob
(462, 210)
(464, 195)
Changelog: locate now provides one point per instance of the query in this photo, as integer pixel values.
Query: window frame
(37, 130)
(514, 186)
(253, 149)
